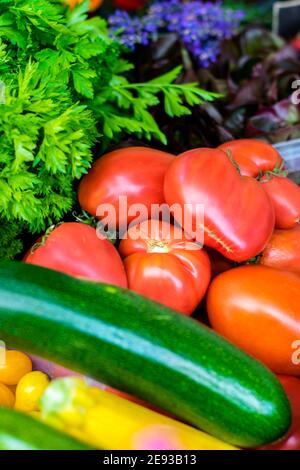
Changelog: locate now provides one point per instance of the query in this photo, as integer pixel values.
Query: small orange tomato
(257, 309)
(17, 364)
(283, 250)
(94, 4)
(6, 396)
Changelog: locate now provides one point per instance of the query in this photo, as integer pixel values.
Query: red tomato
(129, 4)
(292, 441)
(161, 265)
(135, 172)
(285, 197)
(238, 215)
(74, 248)
(252, 156)
(257, 309)
(94, 4)
(283, 250)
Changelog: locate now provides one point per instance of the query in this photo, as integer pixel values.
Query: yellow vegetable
(107, 421)
(6, 396)
(17, 364)
(30, 390)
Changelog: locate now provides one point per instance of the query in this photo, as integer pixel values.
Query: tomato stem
(157, 246)
(278, 171)
(85, 218)
(255, 259)
(44, 237)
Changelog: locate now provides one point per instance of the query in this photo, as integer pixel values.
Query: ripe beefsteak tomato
(291, 386)
(285, 197)
(257, 309)
(163, 266)
(238, 215)
(134, 172)
(283, 250)
(252, 156)
(74, 248)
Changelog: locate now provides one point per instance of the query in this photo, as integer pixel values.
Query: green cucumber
(144, 349)
(21, 432)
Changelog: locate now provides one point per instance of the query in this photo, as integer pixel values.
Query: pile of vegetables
(66, 89)
(131, 328)
(132, 344)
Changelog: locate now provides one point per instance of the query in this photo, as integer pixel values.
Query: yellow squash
(107, 421)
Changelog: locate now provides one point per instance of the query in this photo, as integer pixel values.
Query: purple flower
(200, 25)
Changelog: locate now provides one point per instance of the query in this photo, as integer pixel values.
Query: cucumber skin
(144, 349)
(21, 432)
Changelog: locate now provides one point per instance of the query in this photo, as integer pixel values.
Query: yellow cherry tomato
(6, 396)
(17, 364)
(30, 390)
